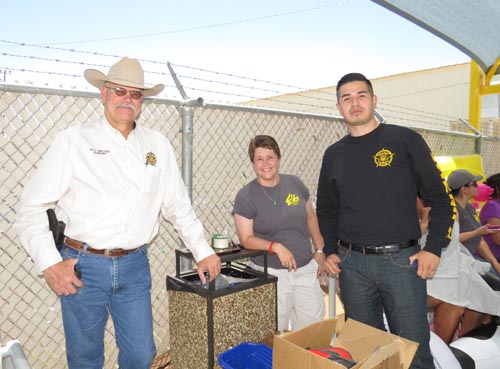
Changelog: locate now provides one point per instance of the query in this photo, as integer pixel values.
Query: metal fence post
(478, 142)
(478, 136)
(187, 114)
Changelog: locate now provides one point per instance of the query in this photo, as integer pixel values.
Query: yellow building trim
(476, 81)
(492, 71)
(489, 90)
(480, 85)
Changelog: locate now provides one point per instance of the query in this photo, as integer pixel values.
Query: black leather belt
(395, 247)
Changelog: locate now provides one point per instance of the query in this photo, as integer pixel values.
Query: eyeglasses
(473, 184)
(120, 91)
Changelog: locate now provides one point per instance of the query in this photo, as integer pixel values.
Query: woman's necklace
(273, 200)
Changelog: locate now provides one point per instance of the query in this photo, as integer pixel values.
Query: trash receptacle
(205, 321)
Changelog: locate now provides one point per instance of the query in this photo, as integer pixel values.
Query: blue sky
(305, 43)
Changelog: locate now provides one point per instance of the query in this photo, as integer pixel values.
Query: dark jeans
(371, 285)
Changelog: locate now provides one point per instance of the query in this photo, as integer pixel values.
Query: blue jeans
(120, 287)
(373, 284)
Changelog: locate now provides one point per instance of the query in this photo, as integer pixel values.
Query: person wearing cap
(462, 293)
(368, 184)
(463, 185)
(108, 180)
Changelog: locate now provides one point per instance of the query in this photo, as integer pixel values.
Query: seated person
(457, 292)
(490, 214)
(463, 185)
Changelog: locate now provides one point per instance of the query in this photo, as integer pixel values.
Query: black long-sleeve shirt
(368, 187)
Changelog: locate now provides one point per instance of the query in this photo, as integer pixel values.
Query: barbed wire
(276, 92)
(40, 72)
(211, 81)
(223, 84)
(235, 76)
(388, 113)
(143, 60)
(86, 64)
(382, 104)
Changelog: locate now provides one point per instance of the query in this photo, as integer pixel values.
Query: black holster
(57, 228)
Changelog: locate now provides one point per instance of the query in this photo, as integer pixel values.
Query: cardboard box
(371, 348)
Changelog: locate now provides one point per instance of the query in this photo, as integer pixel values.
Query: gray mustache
(126, 105)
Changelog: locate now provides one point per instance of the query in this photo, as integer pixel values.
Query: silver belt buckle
(388, 248)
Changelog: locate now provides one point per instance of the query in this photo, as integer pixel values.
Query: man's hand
(211, 264)
(427, 263)
(331, 264)
(61, 278)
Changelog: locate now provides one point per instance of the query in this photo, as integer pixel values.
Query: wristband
(270, 250)
(319, 251)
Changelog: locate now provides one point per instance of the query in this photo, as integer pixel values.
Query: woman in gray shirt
(463, 185)
(274, 213)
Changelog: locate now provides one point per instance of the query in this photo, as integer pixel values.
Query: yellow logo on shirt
(383, 158)
(292, 199)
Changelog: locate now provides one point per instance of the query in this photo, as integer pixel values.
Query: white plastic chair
(12, 356)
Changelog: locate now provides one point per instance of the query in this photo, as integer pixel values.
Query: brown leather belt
(77, 245)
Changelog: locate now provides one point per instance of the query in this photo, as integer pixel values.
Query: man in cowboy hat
(108, 181)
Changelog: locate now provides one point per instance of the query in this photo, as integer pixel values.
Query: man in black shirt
(366, 208)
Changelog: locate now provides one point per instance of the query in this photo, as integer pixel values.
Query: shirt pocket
(151, 181)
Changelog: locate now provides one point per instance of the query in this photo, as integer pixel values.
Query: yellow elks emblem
(150, 159)
(383, 158)
(292, 199)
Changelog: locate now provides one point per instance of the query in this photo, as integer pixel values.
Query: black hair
(494, 182)
(354, 77)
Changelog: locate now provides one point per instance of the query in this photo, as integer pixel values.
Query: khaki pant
(300, 297)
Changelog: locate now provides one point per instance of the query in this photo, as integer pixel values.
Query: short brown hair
(264, 141)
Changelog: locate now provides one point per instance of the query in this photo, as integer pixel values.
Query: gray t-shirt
(468, 220)
(285, 222)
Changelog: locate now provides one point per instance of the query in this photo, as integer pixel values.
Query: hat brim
(98, 79)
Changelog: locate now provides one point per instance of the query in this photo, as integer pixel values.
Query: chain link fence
(31, 117)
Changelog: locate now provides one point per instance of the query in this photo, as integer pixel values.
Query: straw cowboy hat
(126, 72)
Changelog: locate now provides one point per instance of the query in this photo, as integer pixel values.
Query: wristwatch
(319, 251)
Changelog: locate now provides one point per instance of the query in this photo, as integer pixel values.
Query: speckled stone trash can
(206, 322)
